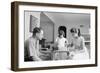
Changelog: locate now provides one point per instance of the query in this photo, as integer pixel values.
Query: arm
(56, 42)
(82, 46)
(71, 46)
(66, 43)
(33, 52)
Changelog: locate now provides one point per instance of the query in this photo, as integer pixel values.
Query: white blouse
(61, 43)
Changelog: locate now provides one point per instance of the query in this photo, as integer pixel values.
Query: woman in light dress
(61, 44)
(78, 47)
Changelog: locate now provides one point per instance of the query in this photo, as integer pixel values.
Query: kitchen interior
(51, 23)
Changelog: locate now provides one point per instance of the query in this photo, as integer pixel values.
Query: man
(31, 52)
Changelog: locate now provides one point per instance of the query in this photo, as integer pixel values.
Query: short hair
(61, 32)
(75, 30)
(36, 30)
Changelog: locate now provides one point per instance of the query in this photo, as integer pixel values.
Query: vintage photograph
(52, 36)
(56, 36)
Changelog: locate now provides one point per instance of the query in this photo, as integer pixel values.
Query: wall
(42, 20)
(5, 37)
(48, 27)
(70, 20)
(27, 22)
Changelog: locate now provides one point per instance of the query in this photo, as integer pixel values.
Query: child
(61, 43)
(78, 45)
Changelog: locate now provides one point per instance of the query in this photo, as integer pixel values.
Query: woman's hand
(71, 49)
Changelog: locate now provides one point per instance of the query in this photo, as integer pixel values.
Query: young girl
(78, 45)
(61, 44)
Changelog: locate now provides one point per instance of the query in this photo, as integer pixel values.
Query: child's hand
(71, 55)
(71, 49)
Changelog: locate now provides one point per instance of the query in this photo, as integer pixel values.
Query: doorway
(64, 29)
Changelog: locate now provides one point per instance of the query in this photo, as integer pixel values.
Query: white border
(23, 64)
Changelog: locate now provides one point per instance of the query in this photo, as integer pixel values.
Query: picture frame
(19, 22)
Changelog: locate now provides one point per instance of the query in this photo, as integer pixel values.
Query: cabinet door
(48, 27)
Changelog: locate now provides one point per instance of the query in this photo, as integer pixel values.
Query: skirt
(81, 55)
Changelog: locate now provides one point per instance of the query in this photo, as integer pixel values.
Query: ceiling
(68, 18)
